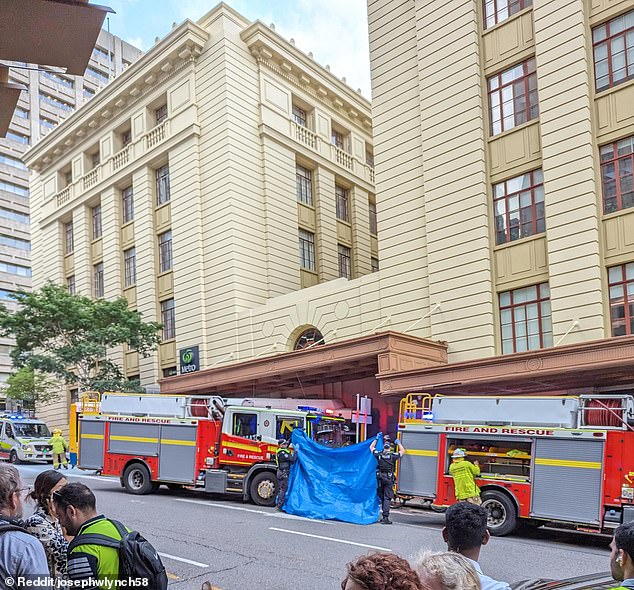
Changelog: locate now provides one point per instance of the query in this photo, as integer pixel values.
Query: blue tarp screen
(333, 484)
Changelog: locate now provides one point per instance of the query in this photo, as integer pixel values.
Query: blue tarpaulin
(333, 484)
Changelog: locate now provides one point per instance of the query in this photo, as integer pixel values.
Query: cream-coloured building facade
(191, 182)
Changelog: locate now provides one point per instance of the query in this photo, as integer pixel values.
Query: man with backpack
(22, 556)
(104, 549)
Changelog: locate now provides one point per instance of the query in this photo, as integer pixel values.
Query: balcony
(121, 158)
(91, 178)
(64, 195)
(156, 135)
(304, 135)
(342, 158)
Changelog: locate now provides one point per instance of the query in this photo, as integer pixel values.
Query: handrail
(415, 408)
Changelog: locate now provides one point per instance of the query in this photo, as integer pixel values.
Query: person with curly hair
(381, 571)
(44, 525)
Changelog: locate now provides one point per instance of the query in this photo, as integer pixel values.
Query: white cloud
(138, 42)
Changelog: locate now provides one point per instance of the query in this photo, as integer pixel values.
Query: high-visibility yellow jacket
(463, 473)
(59, 444)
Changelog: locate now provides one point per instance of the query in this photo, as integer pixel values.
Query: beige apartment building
(48, 98)
(504, 142)
(223, 169)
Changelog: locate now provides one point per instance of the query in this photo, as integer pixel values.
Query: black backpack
(138, 560)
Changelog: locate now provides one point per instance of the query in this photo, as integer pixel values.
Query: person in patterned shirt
(44, 525)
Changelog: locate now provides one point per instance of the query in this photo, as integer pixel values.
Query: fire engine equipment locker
(91, 445)
(419, 466)
(177, 453)
(133, 439)
(567, 480)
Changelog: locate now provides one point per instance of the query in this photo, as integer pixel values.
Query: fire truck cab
(563, 460)
(194, 441)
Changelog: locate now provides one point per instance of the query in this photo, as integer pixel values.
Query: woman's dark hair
(382, 571)
(44, 483)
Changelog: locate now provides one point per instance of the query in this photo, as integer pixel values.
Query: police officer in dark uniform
(284, 458)
(386, 466)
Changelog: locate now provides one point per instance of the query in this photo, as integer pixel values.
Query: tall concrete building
(48, 100)
(222, 169)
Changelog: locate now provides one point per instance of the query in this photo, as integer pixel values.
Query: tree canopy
(68, 336)
(31, 387)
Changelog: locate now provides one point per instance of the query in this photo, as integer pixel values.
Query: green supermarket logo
(188, 356)
(189, 359)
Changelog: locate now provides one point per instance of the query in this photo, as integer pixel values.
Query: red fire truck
(562, 460)
(199, 441)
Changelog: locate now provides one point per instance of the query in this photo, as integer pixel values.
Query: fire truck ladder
(415, 407)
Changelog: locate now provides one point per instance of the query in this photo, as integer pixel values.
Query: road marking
(330, 539)
(252, 510)
(189, 561)
(95, 477)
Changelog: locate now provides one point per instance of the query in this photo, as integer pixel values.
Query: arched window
(308, 338)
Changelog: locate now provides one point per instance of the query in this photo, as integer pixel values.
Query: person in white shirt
(465, 532)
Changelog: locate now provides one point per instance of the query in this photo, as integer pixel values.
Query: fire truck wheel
(136, 479)
(502, 515)
(263, 488)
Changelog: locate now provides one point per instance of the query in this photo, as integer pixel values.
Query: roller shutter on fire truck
(567, 480)
(419, 467)
(92, 440)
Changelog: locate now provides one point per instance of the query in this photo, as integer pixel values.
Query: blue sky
(335, 31)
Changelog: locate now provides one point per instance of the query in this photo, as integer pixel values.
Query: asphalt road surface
(240, 546)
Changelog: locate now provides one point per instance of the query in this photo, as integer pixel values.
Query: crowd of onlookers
(61, 541)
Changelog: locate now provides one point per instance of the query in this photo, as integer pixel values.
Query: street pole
(358, 410)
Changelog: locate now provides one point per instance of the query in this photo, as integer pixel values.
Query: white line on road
(330, 539)
(252, 510)
(95, 477)
(189, 561)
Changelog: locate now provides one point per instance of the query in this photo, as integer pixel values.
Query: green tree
(31, 387)
(67, 336)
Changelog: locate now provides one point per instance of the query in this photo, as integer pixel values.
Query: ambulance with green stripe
(24, 439)
(566, 461)
(218, 445)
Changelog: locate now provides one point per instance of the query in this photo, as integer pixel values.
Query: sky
(335, 31)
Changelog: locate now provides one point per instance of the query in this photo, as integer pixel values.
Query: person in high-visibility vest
(284, 458)
(622, 556)
(464, 473)
(60, 446)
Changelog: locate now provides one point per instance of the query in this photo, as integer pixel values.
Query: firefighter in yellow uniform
(464, 473)
(60, 446)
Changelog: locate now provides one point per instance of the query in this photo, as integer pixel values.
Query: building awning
(347, 360)
(586, 366)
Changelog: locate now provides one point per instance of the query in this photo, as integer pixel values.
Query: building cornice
(173, 53)
(281, 56)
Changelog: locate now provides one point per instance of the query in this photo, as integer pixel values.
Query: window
(299, 116)
(46, 125)
(23, 139)
(165, 251)
(96, 222)
(373, 225)
(304, 183)
(70, 238)
(70, 284)
(98, 75)
(56, 102)
(613, 46)
(167, 319)
(97, 272)
(284, 426)
(621, 281)
(14, 188)
(68, 177)
(22, 113)
(513, 97)
(369, 157)
(161, 114)
(337, 139)
(345, 255)
(11, 161)
(162, 185)
(167, 372)
(519, 207)
(15, 243)
(6, 294)
(525, 319)
(308, 339)
(374, 263)
(15, 269)
(306, 250)
(126, 138)
(127, 204)
(98, 52)
(94, 160)
(88, 93)
(496, 11)
(59, 79)
(245, 425)
(129, 266)
(14, 215)
(617, 163)
(343, 211)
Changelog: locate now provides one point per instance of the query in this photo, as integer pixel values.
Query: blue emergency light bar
(307, 409)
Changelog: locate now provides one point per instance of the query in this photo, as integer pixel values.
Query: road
(237, 546)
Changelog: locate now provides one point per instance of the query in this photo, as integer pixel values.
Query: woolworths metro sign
(189, 359)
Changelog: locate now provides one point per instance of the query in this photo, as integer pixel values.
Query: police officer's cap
(387, 438)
